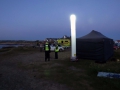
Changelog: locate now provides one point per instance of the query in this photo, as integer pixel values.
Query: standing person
(56, 52)
(47, 51)
(41, 47)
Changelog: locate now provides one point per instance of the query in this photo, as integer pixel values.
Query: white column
(73, 37)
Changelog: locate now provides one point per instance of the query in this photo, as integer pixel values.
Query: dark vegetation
(81, 75)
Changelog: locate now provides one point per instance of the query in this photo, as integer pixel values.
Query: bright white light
(73, 24)
(72, 17)
(73, 36)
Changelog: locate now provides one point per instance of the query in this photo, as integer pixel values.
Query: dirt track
(14, 78)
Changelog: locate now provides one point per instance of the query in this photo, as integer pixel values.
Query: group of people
(47, 51)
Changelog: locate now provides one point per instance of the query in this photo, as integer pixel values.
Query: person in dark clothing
(41, 47)
(47, 51)
(56, 52)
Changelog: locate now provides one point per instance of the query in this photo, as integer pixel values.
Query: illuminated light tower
(73, 37)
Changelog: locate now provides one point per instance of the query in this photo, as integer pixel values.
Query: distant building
(55, 39)
(51, 39)
(117, 42)
(65, 37)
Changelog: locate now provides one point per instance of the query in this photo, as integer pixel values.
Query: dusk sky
(40, 19)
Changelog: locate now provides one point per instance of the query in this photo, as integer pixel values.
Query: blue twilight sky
(40, 19)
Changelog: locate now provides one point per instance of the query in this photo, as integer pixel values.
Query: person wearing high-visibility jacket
(47, 51)
(56, 52)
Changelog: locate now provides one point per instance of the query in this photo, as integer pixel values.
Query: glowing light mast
(73, 37)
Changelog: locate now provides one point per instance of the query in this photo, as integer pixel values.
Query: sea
(5, 45)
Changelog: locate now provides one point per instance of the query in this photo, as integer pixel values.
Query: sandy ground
(14, 78)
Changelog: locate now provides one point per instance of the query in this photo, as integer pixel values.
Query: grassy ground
(81, 75)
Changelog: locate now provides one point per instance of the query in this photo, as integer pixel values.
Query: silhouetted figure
(47, 51)
(56, 52)
(41, 47)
